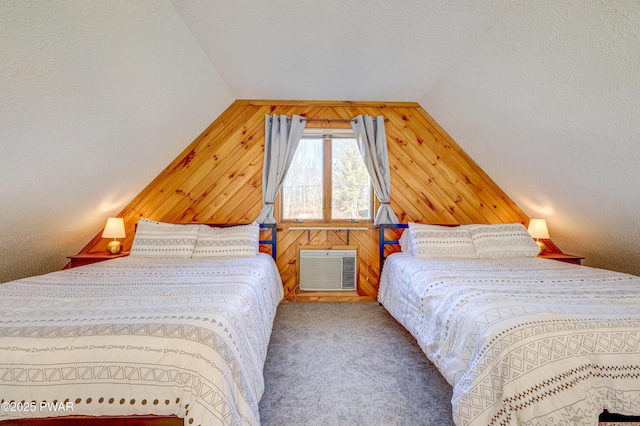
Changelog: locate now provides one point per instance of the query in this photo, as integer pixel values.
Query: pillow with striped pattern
(503, 241)
(232, 241)
(441, 241)
(160, 239)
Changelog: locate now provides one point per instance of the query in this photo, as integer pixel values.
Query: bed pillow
(503, 241)
(159, 239)
(441, 241)
(232, 241)
(405, 242)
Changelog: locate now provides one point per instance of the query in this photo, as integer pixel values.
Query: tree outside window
(327, 182)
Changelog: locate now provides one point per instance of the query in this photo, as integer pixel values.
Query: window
(327, 180)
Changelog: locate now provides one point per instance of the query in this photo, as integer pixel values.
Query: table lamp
(538, 229)
(114, 229)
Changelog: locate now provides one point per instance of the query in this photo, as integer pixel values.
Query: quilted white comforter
(522, 341)
(164, 336)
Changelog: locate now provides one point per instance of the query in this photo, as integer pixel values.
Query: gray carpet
(349, 364)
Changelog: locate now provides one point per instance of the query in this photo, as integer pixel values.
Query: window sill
(325, 228)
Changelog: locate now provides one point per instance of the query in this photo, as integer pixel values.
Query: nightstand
(89, 258)
(562, 257)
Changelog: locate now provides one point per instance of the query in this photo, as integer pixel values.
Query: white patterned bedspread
(522, 341)
(164, 336)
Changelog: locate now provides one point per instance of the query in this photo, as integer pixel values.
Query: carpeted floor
(349, 364)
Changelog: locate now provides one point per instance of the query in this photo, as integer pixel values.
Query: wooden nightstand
(562, 257)
(89, 258)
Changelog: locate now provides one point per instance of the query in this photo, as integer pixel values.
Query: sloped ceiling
(548, 103)
(96, 98)
(335, 49)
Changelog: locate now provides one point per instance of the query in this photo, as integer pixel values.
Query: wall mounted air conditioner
(328, 270)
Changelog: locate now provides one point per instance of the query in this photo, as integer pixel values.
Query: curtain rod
(337, 120)
(329, 120)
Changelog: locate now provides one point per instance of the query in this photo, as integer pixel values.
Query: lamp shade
(114, 228)
(538, 228)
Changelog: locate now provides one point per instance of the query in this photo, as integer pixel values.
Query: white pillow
(503, 241)
(405, 242)
(232, 241)
(441, 241)
(159, 239)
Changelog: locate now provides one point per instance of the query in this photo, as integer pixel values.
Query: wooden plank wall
(217, 179)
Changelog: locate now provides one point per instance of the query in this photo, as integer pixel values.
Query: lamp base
(543, 246)
(114, 247)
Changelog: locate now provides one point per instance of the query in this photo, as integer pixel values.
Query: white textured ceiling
(336, 49)
(97, 97)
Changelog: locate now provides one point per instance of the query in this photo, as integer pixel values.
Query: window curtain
(282, 135)
(372, 143)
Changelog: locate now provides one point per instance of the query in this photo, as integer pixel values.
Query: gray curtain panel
(282, 135)
(372, 142)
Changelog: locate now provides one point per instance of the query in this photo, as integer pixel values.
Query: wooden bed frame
(136, 420)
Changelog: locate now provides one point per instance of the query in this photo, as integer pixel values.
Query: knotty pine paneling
(218, 179)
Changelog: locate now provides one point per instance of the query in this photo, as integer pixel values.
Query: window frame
(326, 134)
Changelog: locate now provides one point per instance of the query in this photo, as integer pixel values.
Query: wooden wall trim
(353, 104)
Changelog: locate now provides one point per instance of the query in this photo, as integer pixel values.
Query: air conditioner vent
(328, 270)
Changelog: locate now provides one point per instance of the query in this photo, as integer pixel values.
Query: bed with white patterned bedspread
(163, 336)
(524, 341)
